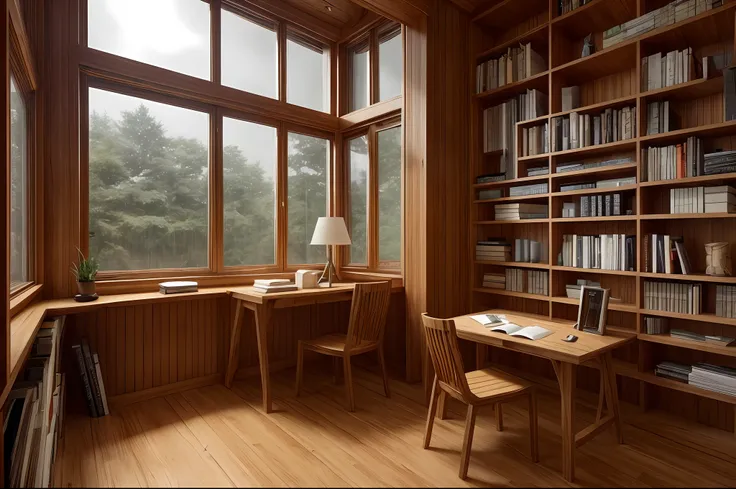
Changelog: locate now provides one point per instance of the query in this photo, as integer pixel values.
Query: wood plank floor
(213, 436)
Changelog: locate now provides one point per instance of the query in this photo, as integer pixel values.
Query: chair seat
(334, 344)
(489, 383)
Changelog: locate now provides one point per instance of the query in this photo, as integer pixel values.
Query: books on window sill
(666, 254)
(578, 166)
(515, 212)
(699, 200)
(516, 64)
(713, 378)
(576, 130)
(726, 301)
(673, 371)
(659, 119)
(177, 287)
(573, 290)
(537, 282)
(656, 325)
(494, 280)
(677, 161)
(604, 252)
(536, 172)
(534, 140)
(673, 297)
(266, 286)
(666, 70)
(527, 251)
(515, 279)
(534, 189)
(494, 249)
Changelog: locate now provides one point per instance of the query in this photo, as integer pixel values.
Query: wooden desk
(262, 306)
(588, 349)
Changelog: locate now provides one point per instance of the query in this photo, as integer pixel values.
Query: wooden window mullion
(372, 196)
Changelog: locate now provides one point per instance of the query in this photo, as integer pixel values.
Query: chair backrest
(368, 313)
(445, 353)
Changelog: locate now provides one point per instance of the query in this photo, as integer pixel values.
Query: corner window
(360, 69)
(19, 242)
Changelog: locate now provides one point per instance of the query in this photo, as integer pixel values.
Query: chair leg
(382, 361)
(299, 368)
(430, 414)
(498, 410)
(348, 383)
(533, 426)
(467, 440)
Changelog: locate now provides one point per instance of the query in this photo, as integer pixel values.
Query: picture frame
(593, 310)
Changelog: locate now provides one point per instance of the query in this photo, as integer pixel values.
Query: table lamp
(330, 231)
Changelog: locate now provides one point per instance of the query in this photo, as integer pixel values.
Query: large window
(172, 34)
(390, 64)
(360, 69)
(249, 192)
(19, 242)
(148, 183)
(358, 157)
(308, 73)
(308, 195)
(389, 197)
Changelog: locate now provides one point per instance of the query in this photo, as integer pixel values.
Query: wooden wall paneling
(5, 212)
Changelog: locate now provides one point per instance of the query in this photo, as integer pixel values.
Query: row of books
(673, 297)
(605, 251)
(527, 251)
(494, 280)
(533, 189)
(659, 119)
(517, 211)
(499, 134)
(611, 183)
(660, 71)
(534, 140)
(514, 65)
(699, 200)
(565, 6)
(675, 11)
(573, 290)
(515, 279)
(582, 130)
(35, 412)
(601, 205)
(578, 166)
(654, 325)
(666, 254)
(674, 161)
(713, 378)
(493, 250)
(726, 301)
(537, 282)
(88, 364)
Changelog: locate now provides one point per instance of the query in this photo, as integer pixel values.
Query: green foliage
(86, 270)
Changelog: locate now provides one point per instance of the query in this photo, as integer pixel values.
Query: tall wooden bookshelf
(610, 78)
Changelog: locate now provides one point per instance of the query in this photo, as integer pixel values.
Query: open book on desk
(530, 332)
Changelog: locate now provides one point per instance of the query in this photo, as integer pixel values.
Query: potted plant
(85, 272)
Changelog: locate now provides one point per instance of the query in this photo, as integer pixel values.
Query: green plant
(86, 270)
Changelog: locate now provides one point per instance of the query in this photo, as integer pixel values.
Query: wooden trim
(21, 300)
(118, 402)
(216, 238)
(372, 113)
(21, 46)
(268, 8)
(5, 338)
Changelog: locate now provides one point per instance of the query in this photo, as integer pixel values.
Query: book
(91, 404)
(268, 289)
(177, 287)
(490, 319)
(570, 98)
(100, 384)
(530, 332)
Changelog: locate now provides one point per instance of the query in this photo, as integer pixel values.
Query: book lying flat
(531, 332)
(490, 319)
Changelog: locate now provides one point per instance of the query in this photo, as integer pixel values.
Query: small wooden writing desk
(588, 349)
(263, 305)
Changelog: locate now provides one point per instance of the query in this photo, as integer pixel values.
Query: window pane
(389, 197)
(18, 189)
(148, 183)
(249, 55)
(390, 67)
(308, 74)
(308, 181)
(249, 166)
(358, 200)
(359, 77)
(172, 34)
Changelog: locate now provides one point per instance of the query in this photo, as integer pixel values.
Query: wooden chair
(478, 388)
(368, 313)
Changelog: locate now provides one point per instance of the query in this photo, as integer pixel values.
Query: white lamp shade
(331, 231)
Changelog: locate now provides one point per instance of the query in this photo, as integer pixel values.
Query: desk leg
(232, 362)
(612, 393)
(263, 322)
(566, 377)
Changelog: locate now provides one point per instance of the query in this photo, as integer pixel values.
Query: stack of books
(535, 172)
(714, 378)
(494, 280)
(674, 161)
(684, 334)
(573, 290)
(527, 250)
(515, 212)
(177, 287)
(605, 251)
(534, 140)
(726, 301)
(601, 205)
(674, 371)
(266, 286)
(490, 194)
(673, 297)
(666, 254)
(576, 186)
(656, 325)
(578, 166)
(660, 71)
(537, 282)
(659, 118)
(534, 189)
(515, 65)
(699, 200)
(515, 279)
(720, 162)
(582, 130)
(615, 182)
(495, 249)
(492, 177)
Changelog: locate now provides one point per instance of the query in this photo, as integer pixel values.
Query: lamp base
(329, 270)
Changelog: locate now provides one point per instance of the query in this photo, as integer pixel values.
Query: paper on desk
(486, 319)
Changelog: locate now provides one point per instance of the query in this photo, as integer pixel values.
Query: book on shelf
(601, 205)
(719, 162)
(578, 166)
(714, 378)
(177, 287)
(659, 118)
(684, 334)
(726, 301)
(517, 63)
(570, 98)
(527, 250)
(729, 93)
(490, 194)
(666, 254)
(604, 252)
(654, 325)
(539, 171)
(517, 211)
(571, 209)
(494, 280)
(489, 178)
(534, 189)
(569, 187)
(673, 371)
(616, 182)
(534, 140)
(584, 130)
(699, 200)
(493, 250)
(674, 297)
(666, 70)
(680, 161)
(565, 6)
(515, 279)
(537, 282)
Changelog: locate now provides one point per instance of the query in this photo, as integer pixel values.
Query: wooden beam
(291, 15)
(371, 113)
(366, 22)
(22, 45)
(408, 12)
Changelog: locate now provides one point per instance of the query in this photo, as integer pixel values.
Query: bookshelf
(610, 78)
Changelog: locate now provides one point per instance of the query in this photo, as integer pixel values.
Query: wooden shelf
(705, 318)
(518, 221)
(668, 217)
(680, 135)
(665, 339)
(650, 378)
(612, 306)
(515, 264)
(538, 157)
(614, 59)
(591, 191)
(515, 181)
(538, 81)
(599, 149)
(594, 270)
(707, 28)
(594, 219)
(690, 181)
(693, 277)
(508, 293)
(533, 122)
(536, 35)
(693, 89)
(509, 12)
(597, 170)
(595, 16)
(513, 199)
(599, 107)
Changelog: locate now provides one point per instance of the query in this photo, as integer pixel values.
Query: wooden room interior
(451, 158)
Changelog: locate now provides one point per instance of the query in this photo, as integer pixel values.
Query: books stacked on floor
(726, 301)
(573, 290)
(515, 212)
(565, 6)
(34, 413)
(516, 64)
(571, 209)
(266, 286)
(656, 325)
(601, 205)
(674, 371)
(494, 249)
(615, 182)
(578, 166)
(698, 200)
(666, 254)
(527, 250)
(537, 282)
(675, 11)
(88, 365)
(534, 189)
(674, 161)
(659, 118)
(494, 280)
(494, 177)
(666, 70)
(515, 279)
(713, 378)
(673, 297)
(534, 140)
(177, 287)
(499, 134)
(582, 130)
(720, 162)
(490, 194)
(536, 172)
(605, 251)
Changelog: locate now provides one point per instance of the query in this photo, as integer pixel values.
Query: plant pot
(87, 290)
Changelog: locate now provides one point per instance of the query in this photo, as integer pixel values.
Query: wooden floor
(212, 436)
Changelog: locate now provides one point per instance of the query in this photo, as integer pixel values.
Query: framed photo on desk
(592, 310)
